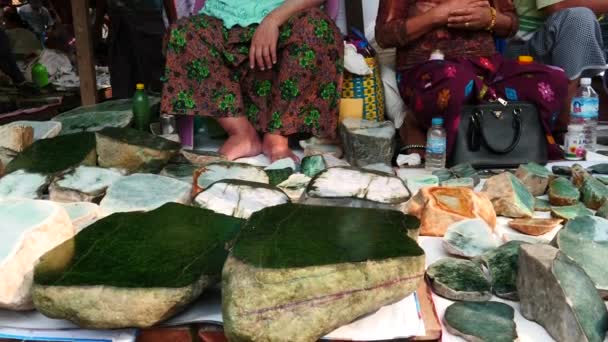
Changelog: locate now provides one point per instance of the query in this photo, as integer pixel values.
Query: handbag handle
(477, 119)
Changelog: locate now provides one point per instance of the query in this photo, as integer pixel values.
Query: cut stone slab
(295, 186)
(83, 184)
(217, 171)
(42, 129)
(601, 169)
(331, 161)
(21, 184)
(535, 177)
(240, 198)
(469, 238)
(557, 293)
(6, 156)
(177, 252)
(509, 196)
(565, 171)
(459, 182)
(466, 170)
(29, 228)
(562, 192)
(443, 175)
(570, 212)
(458, 279)
(118, 113)
(314, 146)
(280, 171)
(417, 182)
(367, 142)
(182, 172)
(301, 278)
(602, 179)
(144, 192)
(16, 137)
(585, 240)
(81, 214)
(438, 208)
(201, 158)
(380, 167)
(507, 236)
(489, 321)
(593, 193)
(535, 226)
(502, 263)
(603, 211)
(313, 165)
(579, 175)
(282, 164)
(133, 150)
(542, 205)
(51, 156)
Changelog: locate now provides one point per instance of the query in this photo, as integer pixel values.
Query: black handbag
(497, 136)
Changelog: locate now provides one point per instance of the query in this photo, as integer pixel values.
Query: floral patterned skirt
(208, 73)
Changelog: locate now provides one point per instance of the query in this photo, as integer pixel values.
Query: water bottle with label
(585, 111)
(436, 146)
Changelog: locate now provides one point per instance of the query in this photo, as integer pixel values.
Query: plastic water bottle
(141, 109)
(436, 145)
(585, 111)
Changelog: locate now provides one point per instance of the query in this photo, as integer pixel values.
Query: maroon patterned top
(391, 26)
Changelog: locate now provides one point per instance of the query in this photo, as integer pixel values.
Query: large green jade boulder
(535, 177)
(509, 196)
(563, 193)
(367, 142)
(94, 118)
(488, 321)
(240, 198)
(502, 264)
(134, 269)
(51, 156)
(556, 292)
(299, 272)
(585, 240)
(458, 279)
(217, 171)
(133, 150)
(570, 212)
(83, 184)
(593, 193)
(21, 184)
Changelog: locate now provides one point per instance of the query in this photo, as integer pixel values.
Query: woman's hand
(263, 51)
(475, 17)
(443, 11)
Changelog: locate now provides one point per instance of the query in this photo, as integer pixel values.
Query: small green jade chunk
(562, 192)
(487, 321)
(458, 279)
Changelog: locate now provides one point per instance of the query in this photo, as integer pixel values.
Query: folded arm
(597, 6)
(291, 7)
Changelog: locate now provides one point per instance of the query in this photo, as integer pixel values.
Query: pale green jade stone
(21, 184)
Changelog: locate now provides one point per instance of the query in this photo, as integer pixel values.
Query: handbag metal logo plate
(497, 114)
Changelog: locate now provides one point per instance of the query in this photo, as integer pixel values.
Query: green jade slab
(593, 193)
(542, 205)
(280, 171)
(489, 321)
(83, 184)
(502, 264)
(466, 182)
(535, 177)
(217, 171)
(312, 165)
(458, 279)
(466, 170)
(602, 211)
(469, 238)
(601, 169)
(118, 113)
(579, 175)
(570, 212)
(562, 192)
(509, 196)
(182, 172)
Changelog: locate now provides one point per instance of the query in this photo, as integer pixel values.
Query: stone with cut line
(295, 186)
(502, 264)
(535, 226)
(509, 196)
(563, 193)
(570, 212)
(42, 129)
(82, 214)
(21, 184)
(535, 177)
(324, 269)
(217, 171)
(118, 113)
(183, 172)
(458, 279)
(16, 137)
(29, 228)
(83, 184)
(593, 193)
(488, 321)
(469, 238)
(367, 142)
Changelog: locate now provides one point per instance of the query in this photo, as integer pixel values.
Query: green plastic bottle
(141, 109)
(40, 75)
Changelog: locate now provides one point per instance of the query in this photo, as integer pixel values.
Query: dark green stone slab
(139, 138)
(458, 279)
(183, 172)
(503, 265)
(603, 211)
(293, 235)
(593, 193)
(118, 113)
(601, 169)
(489, 321)
(312, 165)
(277, 177)
(49, 156)
(570, 212)
(170, 247)
(466, 171)
(542, 205)
(562, 192)
(579, 175)
(603, 179)
(565, 171)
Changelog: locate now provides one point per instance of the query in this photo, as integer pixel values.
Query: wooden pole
(84, 51)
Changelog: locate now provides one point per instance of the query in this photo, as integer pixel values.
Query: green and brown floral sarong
(208, 73)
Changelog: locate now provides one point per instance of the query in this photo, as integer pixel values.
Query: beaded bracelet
(493, 22)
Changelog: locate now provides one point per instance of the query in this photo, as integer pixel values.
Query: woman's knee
(315, 23)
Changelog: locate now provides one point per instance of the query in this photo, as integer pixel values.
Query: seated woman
(271, 66)
(472, 72)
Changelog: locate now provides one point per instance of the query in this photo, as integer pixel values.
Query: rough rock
(314, 146)
(603, 179)
(29, 228)
(601, 169)
(508, 236)
(535, 177)
(217, 171)
(118, 113)
(144, 192)
(562, 192)
(21, 184)
(183, 172)
(570, 212)
(593, 193)
(1, 169)
(42, 129)
(585, 240)
(280, 171)
(81, 214)
(416, 182)
(83, 184)
(331, 161)
(201, 158)
(458, 279)
(459, 182)
(489, 321)
(295, 186)
(154, 264)
(367, 142)
(16, 137)
(579, 175)
(469, 238)
(443, 175)
(438, 208)
(133, 150)
(509, 196)
(603, 211)
(6, 156)
(313, 165)
(380, 167)
(239, 198)
(465, 170)
(557, 294)
(502, 263)
(50, 156)
(565, 171)
(534, 226)
(323, 270)
(542, 205)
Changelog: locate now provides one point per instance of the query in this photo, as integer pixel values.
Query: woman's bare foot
(243, 140)
(276, 147)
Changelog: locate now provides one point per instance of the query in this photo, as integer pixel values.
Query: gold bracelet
(493, 22)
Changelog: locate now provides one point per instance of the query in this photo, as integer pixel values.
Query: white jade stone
(239, 200)
(42, 129)
(295, 185)
(29, 229)
(82, 214)
(89, 180)
(282, 164)
(144, 192)
(21, 184)
(236, 171)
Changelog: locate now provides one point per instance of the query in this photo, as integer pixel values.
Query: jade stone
(118, 113)
(585, 240)
(183, 172)
(217, 171)
(503, 266)
(380, 167)
(565, 171)
(83, 184)
(570, 212)
(603, 211)
(535, 177)
(81, 214)
(367, 142)
(562, 192)
(21, 184)
(50, 156)
(593, 193)
(313, 165)
(416, 182)
(282, 164)
(459, 182)
(542, 205)
(276, 177)
(579, 175)
(489, 321)
(601, 169)
(42, 129)
(509, 196)
(458, 279)
(469, 238)
(295, 186)
(443, 175)
(603, 179)
(466, 171)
